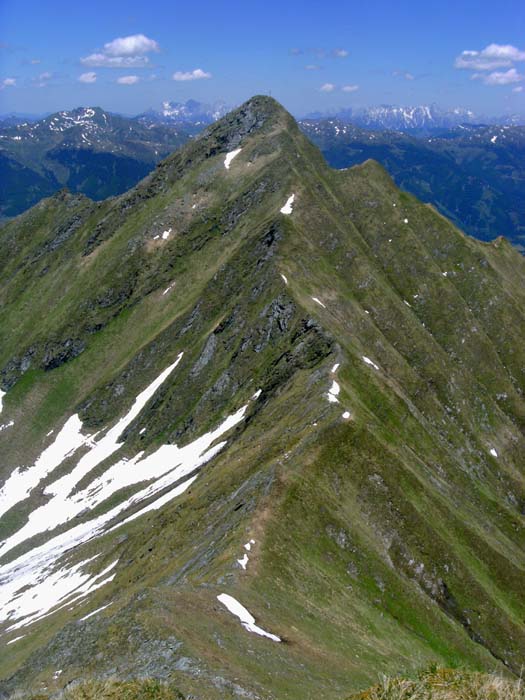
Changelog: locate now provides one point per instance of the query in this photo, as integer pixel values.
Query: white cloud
(504, 51)
(100, 60)
(350, 88)
(197, 74)
(312, 66)
(123, 52)
(8, 82)
(35, 61)
(90, 77)
(128, 80)
(497, 78)
(491, 57)
(518, 89)
(472, 60)
(135, 45)
(340, 53)
(327, 87)
(43, 79)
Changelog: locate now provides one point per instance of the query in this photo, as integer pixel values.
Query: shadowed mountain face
(262, 429)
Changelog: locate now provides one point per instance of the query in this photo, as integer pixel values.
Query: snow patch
(246, 618)
(34, 584)
(243, 562)
(2, 394)
(287, 209)
(91, 614)
(346, 415)
(368, 361)
(318, 301)
(493, 452)
(257, 394)
(166, 234)
(405, 221)
(333, 392)
(47, 591)
(61, 507)
(230, 156)
(21, 482)
(6, 425)
(335, 368)
(284, 278)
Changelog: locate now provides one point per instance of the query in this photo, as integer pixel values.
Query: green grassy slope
(473, 175)
(383, 542)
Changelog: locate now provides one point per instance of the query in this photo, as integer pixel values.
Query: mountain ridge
(473, 175)
(104, 155)
(371, 355)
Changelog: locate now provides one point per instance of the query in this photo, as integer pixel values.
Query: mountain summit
(262, 429)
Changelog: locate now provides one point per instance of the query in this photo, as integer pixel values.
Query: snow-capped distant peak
(190, 111)
(406, 118)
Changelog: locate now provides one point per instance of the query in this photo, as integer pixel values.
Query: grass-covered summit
(352, 367)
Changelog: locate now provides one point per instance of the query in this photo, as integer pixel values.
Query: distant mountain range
(474, 175)
(190, 112)
(87, 150)
(14, 118)
(394, 117)
(420, 118)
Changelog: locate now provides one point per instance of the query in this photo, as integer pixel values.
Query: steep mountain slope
(87, 149)
(473, 175)
(256, 399)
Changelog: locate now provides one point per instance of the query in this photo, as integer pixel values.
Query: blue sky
(129, 56)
